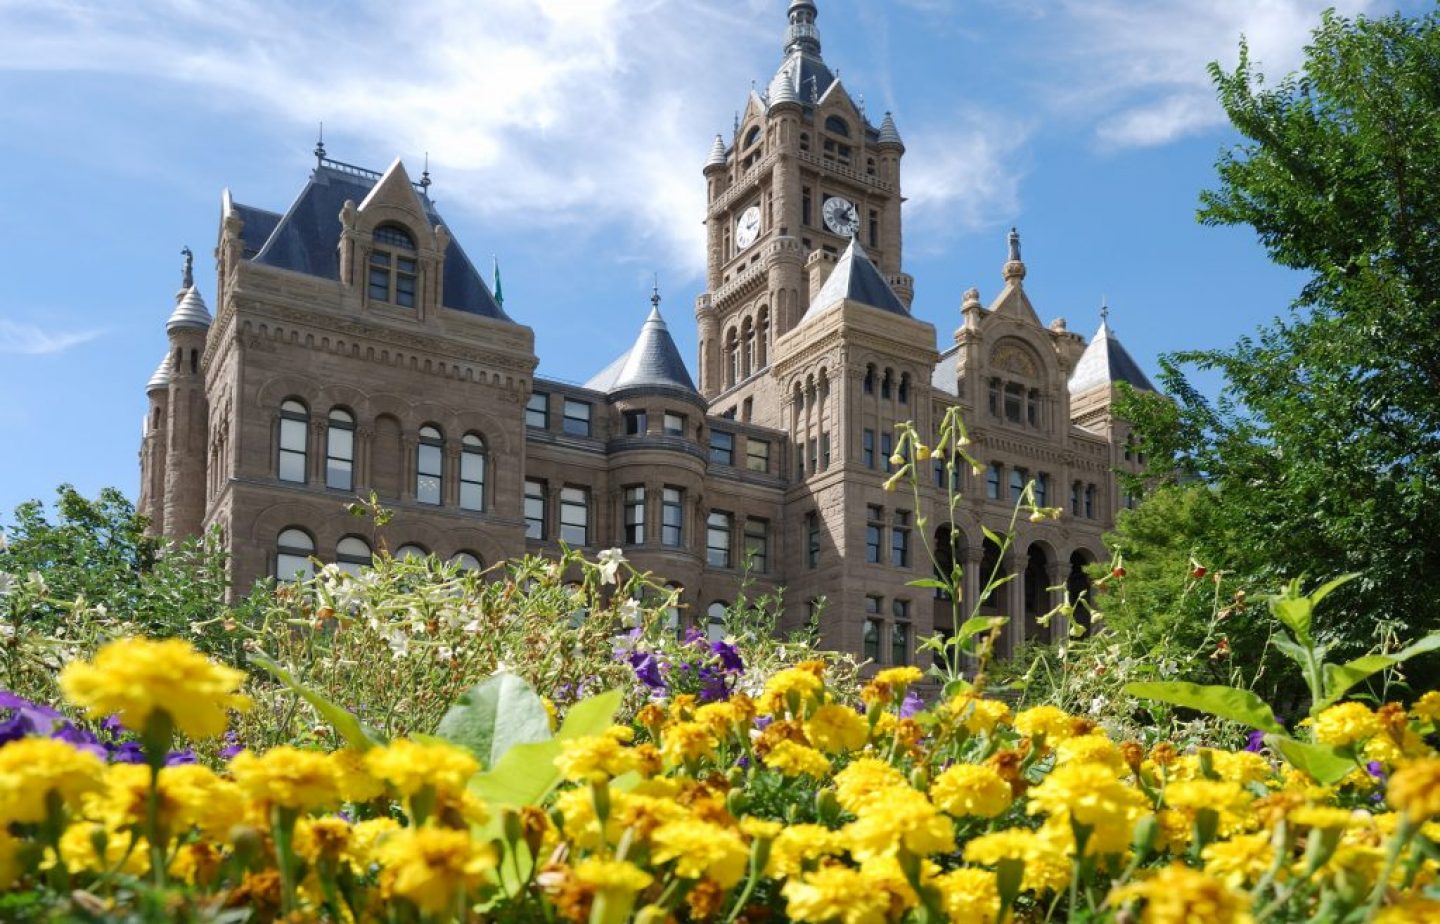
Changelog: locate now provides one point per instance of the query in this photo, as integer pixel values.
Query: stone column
(408, 443)
(364, 439)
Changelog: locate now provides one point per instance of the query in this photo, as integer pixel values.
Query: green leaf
(1226, 702)
(356, 735)
(1339, 678)
(928, 582)
(1326, 764)
(977, 624)
(956, 687)
(591, 716)
(498, 713)
(523, 776)
(993, 536)
(1293, 611)
(1292, 650)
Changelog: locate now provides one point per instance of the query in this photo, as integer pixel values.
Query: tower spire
(320, 147)
(802, 35)
(1014, 270)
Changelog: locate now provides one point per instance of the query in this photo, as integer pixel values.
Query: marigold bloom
(1055, 724)
(863, 781)
(683, 742)
(365, 838)
(1180, 895)
(594, 757)
(1346, 723)
(431, 867)
(410, 766)
(1410, 909)
(970, 789)
(356, 782)
(834, 893)
(836, 729)
(615, 876)
(78, 845)
(801, 681)
(978, 716)
(322, 838)
(136, 677)
(797, 845)
(1240, 861)
(792, 759)
(288, 777)
(190, 795)
(701, 848)
(1414, 789)
(1047, 866)
(1427, 707)
(31, 768)
(900, 818)
(969, 894)
(1094, 796)
(1089, 749)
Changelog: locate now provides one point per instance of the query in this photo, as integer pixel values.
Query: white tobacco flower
(35, 583)
(610, 561)
(630, 612)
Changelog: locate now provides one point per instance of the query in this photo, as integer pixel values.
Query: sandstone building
(355, 347)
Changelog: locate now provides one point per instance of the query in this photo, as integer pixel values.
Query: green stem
(1398, 840)
(282, 827)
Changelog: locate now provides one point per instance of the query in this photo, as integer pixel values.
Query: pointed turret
(889, 134)
(855, 279)
(190, 313)
(653, 362)
(717, 154)
(782, 88)
(185, 411)
(1106, 362)
(161, 378)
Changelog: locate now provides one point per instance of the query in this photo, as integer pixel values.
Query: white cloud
(963, 174)
(30, 340)
(1140, 66)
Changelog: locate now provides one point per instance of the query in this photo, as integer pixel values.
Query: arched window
(429, 465)
(747, 352)
(468, 561)
(837, 125)
(903, 394)
(994, 395)
(752, 136)
(393, 267)
(294, 431)
(472, 472)
(293, 548)
(1032, 407)
(732, 358)
(410, 550)
(885, 383)
(715, 621)
(351, 554)
(869, 380)
(762, 339)
(340, 451)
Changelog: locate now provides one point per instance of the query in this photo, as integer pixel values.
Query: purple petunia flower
(647, 669)
(176, 758)
(1255, 741)
(729, 656)
(232, 746)
(127, 752)
(28, 718)
(80, 739)
(911, 705)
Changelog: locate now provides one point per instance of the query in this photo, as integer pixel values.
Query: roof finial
(320, 147)
(425, 177)
(1014, 270)
(737, 123)
(1014, 244)
(655, 294)
(1104, 311)
(187, 276)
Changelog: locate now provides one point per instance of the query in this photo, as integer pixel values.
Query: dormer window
(837, 125)
(393, 267)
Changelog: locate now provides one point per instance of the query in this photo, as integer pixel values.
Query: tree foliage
(1323, 449)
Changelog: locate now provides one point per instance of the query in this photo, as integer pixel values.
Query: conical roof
(1105, 362)
(889, 134)
(190, 313)
(652, 362)
(717, 153)
(856, 279)
(161, 378)
(782, 88)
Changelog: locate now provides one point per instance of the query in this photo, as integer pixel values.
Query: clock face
(748, 227)
(841, 216)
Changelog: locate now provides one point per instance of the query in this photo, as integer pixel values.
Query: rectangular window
(429, 473)
(1042, 490)
(534, 509)
(472, 478)
(1013, 394)
(722, 447)
(824, 451)
(1032, 407)
(993, 475)
(874, 533)
(813, 447)
(900, 540)
(757, 455)
(537, 411)
(672, 517)
(805, 206)
(874, 228)
(674, 424)
(293, 434)
(635, 515)
(405, 274)
(994, 398)
(339, 457)
(577, 418)
(887, 448)
(757, 545)
(900, 633)
(636, 423)
(812, 539)
(867, 448)
(717, 539)
(575, 516)
(1018, 477)
(1090, 501)
(1075, 498)
(870, 646)
(380, 276)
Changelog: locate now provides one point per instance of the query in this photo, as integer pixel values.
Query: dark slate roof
(652, 362)
(306, 239)
(943, 378)
(855, 278)
(256, 226)
(1105, 362)
(805, 72)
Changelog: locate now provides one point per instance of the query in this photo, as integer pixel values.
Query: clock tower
(803, 174)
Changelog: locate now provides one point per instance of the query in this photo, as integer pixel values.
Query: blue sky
(567, 137)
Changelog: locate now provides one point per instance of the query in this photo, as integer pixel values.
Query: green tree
(1323, 450)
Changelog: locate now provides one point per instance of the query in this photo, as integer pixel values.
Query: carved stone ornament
(1014, 358)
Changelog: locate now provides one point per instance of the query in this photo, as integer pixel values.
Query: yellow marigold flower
(431, 867)
(969, 894)
(1092, 795)
(1240, 861)
(979, 716)
(1005, 844)
(1410, 909)
(1427, 707)
(800, 682)
(1055, 724)
(136, 677)
(356, 782)
(288, 777)
(410, 766)
(594, 757)
(1089, 749)
(863, 781)
(834, 893)
(722, 719)
(836, 729)
(1414, 789)
(760, 829)
(79, 848)
(971, 789)
(1346, 723)
(793, 759)
(1242, 767)
(1047, 866)
(31, 768)
(900, 677)
(701, 848)
(614, 876)
(686, 741)
(365, 837)
(1325, 816)
(322, 838)
(900, 818)
(196, 863)
(885, 875)
(1223, 796)
(1180, 895)
(797, 845)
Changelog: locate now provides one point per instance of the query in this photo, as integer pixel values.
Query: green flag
(499, 293)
